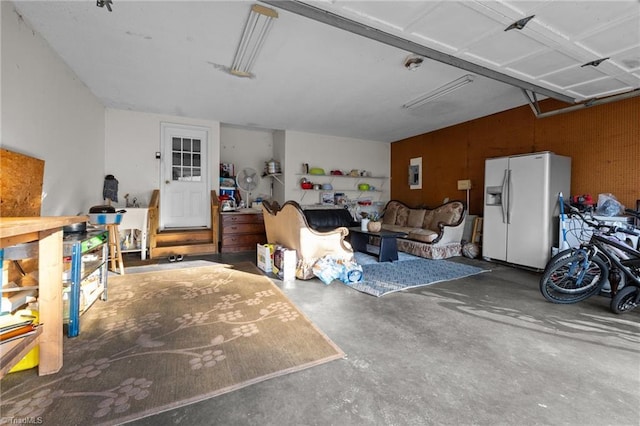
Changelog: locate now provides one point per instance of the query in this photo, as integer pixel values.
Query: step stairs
(182, 241)
(189, 241)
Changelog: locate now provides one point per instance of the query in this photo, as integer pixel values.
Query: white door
(185, 184)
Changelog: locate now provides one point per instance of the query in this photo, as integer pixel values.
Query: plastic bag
(608, 205)
(329, 268)
(351, 272)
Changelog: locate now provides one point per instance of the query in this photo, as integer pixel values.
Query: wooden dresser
(241, 231)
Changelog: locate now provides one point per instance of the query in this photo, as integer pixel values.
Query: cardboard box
(284, 263)
(265, 256)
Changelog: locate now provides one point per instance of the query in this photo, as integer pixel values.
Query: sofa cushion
(396, 228)
(427, 223)
(447, 214)
(402, 216)
(390, 213)
(328, 219)
(424, 235)
(416, 217)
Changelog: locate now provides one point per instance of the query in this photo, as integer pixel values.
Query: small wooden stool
(114, 249)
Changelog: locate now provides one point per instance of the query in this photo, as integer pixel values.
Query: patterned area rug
(167, 339)
(368, 259)
(408, 272)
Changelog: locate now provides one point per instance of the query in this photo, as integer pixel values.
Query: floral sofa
(431, 233)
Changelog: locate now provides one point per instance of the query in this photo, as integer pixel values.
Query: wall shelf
(343, 176)
(373, 191)
(344, 183)
(275, 176)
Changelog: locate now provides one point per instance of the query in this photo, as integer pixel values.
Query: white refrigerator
(521, 207)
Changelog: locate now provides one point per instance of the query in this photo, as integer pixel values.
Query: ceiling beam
(346, 24)
(533, 103)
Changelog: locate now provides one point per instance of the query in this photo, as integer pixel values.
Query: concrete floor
(484, 350)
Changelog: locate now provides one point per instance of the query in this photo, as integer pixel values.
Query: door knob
(167, 182)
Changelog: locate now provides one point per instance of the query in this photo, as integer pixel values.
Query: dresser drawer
(246, 240)
(241, 231)
(231, 218)
(243, 228)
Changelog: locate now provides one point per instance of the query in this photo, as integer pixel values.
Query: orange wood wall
(602, 141)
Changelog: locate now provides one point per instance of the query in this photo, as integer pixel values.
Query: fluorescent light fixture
(439, 92)
(253, 36)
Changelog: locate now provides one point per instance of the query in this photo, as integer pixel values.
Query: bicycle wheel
(551, 264)
(571, 279)
(625, 300)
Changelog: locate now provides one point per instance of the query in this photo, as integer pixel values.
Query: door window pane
(186, 159)
(176, 173)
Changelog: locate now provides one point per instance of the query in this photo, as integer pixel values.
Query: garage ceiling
(338, 67)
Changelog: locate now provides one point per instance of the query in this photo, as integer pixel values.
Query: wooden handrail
(215, 221)
(154, 220)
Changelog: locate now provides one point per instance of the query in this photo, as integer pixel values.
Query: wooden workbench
(47, 231)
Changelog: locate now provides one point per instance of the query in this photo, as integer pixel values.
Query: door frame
(205, 162)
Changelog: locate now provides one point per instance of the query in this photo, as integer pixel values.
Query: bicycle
(578, 273)
(628, 298)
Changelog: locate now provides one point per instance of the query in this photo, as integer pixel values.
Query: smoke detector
(413, 62)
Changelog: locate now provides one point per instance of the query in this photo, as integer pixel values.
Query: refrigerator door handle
(504, 198)
(508, 196)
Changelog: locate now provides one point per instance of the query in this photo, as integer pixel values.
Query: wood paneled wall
(602, 141)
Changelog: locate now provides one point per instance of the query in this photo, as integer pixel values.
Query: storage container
(105, 218)
(32, 358)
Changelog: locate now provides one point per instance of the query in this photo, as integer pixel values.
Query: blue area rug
(367, 259)
(408, 272)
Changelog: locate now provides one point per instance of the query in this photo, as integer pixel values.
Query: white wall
(131, 141)
(335, 153)
(245, 147)
(48, 113)
(279, 154)
(252, 147)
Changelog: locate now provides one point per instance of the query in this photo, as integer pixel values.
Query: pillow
(402, 216)
(389, 216)
(447, 215)
(416, 217)
(428, 219)
(424, 235)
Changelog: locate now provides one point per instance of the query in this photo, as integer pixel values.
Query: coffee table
(388, 243)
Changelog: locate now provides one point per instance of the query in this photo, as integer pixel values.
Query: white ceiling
(172, 58)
